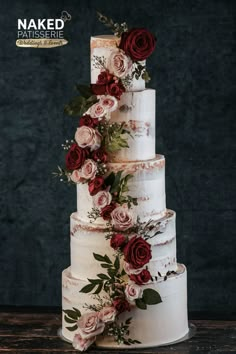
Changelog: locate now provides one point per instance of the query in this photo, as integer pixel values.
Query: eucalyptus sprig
(116, 28)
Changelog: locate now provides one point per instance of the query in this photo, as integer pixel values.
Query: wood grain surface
(37, 333)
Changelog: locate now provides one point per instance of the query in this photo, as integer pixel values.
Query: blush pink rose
(97, 110)
(118, 63)
(76, 177)
(88, 137)
(89, 325)
(132, 292)
(82, 344)
(88, 170)
(122, 218)
(110, 103)
(102, 199)
(107, 314)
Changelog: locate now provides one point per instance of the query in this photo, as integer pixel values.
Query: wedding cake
(124, 287)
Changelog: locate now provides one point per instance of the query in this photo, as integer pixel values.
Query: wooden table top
(37, 333)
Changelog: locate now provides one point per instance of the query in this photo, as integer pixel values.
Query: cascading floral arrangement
(119, 287)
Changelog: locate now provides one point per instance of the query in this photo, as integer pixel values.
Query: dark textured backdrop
(192, 71)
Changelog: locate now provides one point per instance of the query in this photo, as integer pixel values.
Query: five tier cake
(124, 286)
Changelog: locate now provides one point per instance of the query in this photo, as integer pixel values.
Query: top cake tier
(103, 47)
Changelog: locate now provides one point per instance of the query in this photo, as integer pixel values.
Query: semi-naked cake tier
(102, 47)
(85, 238)
(147, 185)
(157, 325)
(137, 111)
(166, 321)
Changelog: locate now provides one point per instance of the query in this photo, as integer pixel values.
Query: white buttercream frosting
(137, 110)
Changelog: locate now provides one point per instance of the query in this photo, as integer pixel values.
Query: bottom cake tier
(157, 325)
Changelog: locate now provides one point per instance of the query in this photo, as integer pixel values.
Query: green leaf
(116, 143)
(151, 297)
(145, 76)
(73, 108)
(140, 304)
(73, 328)
(105, 265)
(77, 311)
(98, 257)
(110, 179)
(88, 288)
(94, 281)
(107, 259)
(128, 177)
(125, 189)
(123, 272)
(116, 184)
(103, 276)
(71, 314)
(128, 321)
(118, 177)
(84, 90)
(112, 272)
(117, 263)
(99, 288)
(116, 294)
(69, 320)
(79, 105)
(127, 342)
(92, 99)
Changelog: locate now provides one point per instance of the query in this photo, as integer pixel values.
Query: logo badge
(42, 33)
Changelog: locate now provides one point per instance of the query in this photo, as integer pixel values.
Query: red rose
(98, 89)
(95, 185)
(142, 277)
(88, 121)
(117, 241)
(75, 157)
(107, 210)
(137, 252)
(121, 305)
(115, 89)
(138, 43)
(99, 155)
(104, 78)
